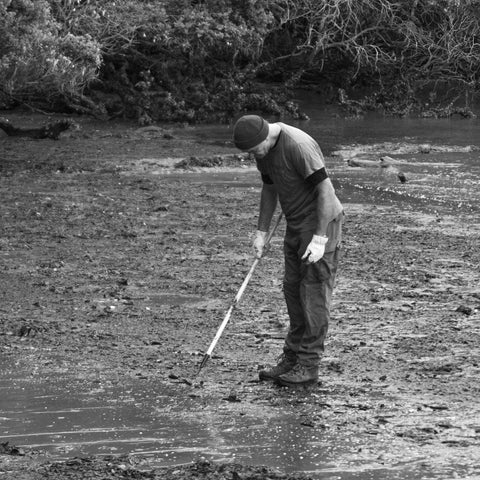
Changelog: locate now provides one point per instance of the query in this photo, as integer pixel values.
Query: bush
(38, 64)
(171, 60)
(378, 43)
(202, 60)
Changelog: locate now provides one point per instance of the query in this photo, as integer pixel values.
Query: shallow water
(447, 176)
(332, 130)
(65, 418)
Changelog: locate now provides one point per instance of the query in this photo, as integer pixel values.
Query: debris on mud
(128, 467)
(7, 449)
(51, 130)
(213, 161)
(205, 470)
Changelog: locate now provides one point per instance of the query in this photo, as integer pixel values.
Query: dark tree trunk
(51, 130)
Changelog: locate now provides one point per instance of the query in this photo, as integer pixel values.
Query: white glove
(315, 249)
(259, 243)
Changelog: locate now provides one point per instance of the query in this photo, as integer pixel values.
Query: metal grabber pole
(237, 298)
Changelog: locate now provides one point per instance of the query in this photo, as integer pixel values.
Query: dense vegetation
(198, 60)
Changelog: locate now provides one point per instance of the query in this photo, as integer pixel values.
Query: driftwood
(384, 162)
(51, 130)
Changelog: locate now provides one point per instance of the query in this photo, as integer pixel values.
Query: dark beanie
(249, 131)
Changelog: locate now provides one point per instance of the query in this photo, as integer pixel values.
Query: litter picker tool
(237, 298)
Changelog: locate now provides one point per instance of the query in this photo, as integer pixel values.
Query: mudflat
(122, 248)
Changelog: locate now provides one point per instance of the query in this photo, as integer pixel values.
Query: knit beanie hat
(249, 131)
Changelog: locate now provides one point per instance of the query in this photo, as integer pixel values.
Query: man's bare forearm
(268, 204)
(328, 206)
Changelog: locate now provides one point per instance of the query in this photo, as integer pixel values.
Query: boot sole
(271, 378)
(307, 384)
(267, 378)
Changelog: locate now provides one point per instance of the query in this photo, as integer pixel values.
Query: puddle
(66, 419)
(69, 418)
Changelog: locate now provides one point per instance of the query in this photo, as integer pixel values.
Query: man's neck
(273, 133)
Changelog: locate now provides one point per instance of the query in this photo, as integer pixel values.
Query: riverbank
(118, 268)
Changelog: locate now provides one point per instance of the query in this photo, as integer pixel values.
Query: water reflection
(332, 129)
(68, 417)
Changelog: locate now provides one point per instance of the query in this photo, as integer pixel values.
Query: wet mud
(117, 267)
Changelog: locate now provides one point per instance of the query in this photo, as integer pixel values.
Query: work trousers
(308, 292)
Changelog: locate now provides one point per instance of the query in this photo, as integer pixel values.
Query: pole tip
(204, 362)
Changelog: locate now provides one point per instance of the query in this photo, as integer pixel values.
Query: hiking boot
(299, 376)
(285, 364)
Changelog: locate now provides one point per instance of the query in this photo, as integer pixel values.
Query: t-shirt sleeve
(308, 159)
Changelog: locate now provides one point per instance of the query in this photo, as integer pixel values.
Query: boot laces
(301, 368)
(284, 358)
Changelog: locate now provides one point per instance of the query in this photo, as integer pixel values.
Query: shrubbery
(176, 61)
(39, 63)
(201, 60)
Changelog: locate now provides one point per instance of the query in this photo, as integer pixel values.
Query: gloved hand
(259, 243)
(315, 249)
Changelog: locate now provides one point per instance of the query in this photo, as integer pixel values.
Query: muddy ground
(118, 267)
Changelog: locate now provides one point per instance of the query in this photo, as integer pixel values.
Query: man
(293, 172)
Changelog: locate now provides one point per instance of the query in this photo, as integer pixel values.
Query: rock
(7, 449)
(232, 397)
(425, 148)
(362, 162)
(386, 161)
(464, 309)
(150, 130)
(25, 331)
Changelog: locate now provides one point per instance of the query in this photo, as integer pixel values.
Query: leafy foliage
(199, 60)
(37, 61)
(173, 60)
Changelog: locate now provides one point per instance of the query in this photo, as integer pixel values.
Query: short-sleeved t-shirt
(291, 165)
